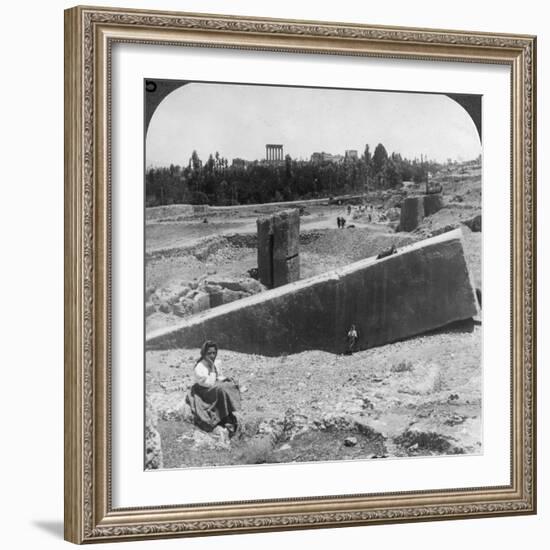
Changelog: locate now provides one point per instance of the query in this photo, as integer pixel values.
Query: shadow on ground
(52, 527)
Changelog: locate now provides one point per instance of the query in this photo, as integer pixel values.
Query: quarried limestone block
(278, 243)
(412, 213)
(432, 204)
(265, 251)
(422, 287)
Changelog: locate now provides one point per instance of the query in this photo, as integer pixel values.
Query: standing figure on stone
(352, 338)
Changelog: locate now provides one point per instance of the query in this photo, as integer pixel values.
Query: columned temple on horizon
(273, 152)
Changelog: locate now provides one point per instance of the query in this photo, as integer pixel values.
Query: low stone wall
(422, 287)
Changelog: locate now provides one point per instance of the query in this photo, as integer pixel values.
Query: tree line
(216, 182)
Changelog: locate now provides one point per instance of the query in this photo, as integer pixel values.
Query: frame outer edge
(73, 433)
(534, 274)
(532, 270)
(101, 279)
(84, 513)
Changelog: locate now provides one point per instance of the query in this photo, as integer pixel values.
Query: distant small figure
(205, 220)
(352, 337)
(387, 252)
(339, 222)
(349, 209)
(343, 222)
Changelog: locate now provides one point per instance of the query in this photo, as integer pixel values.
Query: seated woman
(213, 398)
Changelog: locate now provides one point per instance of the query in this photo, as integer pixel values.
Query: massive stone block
(432, 204)
(422, 287)
(414, 209)
(278, 248)
(412, 213)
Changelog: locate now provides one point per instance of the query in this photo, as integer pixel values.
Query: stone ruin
(415, 209)
(192, 298)
(279, 248)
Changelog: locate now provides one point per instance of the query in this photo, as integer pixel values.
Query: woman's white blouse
(207, 376)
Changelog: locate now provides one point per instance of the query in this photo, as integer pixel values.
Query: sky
(238, 120)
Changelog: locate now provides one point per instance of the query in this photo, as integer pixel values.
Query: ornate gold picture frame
(91, 513)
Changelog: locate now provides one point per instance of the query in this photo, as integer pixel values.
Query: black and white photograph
(313, 274)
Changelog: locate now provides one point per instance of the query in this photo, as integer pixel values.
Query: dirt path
(187, 233)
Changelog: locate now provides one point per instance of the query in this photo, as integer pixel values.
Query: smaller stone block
(412, 213)
(286, 271)
(165, 307)
(432, 204)
(211, 288)
(183, 308)
(251, 286)
(286, 234)
(229, 296)
(201, 302)
(231, 285)
(216, 298)
(278, 240)
(265, 251)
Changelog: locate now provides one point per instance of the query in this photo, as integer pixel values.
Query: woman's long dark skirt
(214, 405)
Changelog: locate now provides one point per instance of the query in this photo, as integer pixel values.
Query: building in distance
(239, 163)
(319, 158)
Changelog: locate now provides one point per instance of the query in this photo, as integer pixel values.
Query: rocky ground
(418, 397)
(413, 398)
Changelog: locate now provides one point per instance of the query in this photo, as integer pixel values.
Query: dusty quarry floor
(417, 397)
(413, 398)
